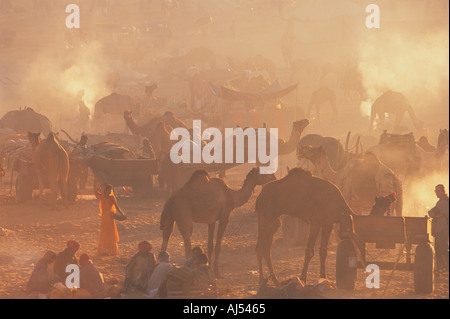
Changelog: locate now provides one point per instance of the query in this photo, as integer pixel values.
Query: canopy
(272, 92)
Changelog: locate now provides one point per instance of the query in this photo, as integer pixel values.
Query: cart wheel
(24, 188)
(295, 231)
(424, 269)
(346, 267)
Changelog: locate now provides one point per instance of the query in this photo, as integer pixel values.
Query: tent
(272, 92)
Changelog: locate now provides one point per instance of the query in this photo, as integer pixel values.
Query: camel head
(383, 204)
(257, 178)
(150, 88)
(299, 126)
(168, 116)
(200, 176)
(34, 138)
(313, 154)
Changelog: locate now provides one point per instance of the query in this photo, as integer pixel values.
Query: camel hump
(199, 176)
(299, 171)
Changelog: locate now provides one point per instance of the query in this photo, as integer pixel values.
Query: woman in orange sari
(109, 236)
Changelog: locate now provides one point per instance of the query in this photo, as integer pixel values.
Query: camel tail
(166, 212)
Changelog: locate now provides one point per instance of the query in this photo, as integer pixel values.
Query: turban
(144, 246)
(72, 244)
(84, 259)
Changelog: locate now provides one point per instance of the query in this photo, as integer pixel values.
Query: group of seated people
(144, 273)
(156, 277)
(43, 278)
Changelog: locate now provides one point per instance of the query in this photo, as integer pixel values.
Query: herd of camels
(349, 182)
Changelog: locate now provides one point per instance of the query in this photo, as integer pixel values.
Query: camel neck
(134, 128)
(291, 144)
(242, 196)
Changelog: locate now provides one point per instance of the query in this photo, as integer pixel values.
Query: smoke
(413, 61)
(56, 77)
(419, 196)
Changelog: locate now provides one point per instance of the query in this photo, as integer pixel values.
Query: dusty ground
(38, 228)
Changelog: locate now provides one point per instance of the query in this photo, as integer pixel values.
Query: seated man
(158, 276)
(91, 279)
(140, 268)
(203, 274)
(64, 258)
(190, 262)
(199, 276)
(41, 278)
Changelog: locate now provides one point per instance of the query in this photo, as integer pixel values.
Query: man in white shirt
(159, 274)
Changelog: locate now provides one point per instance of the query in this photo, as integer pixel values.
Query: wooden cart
(356, 231)
(136, 173)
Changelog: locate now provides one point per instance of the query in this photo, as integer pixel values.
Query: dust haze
(125, 46)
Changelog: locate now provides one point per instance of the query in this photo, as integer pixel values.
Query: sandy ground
(37, 228)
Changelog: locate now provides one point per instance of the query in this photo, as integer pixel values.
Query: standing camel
(147, 129)
(316, 201)
(206, 200)
(393, 103)
(50, 161)
(360, 180)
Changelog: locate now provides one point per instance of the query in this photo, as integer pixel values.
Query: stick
(393, 269)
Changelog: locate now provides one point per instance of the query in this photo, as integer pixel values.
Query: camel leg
(264, 247)
(309, 251)
(166, 233)
(53, 190)
(220, 231)
(211, 228)
(185, 229)
(382, 117)
(64, 193)
(326, 232)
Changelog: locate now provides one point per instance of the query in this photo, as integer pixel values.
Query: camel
(320, 96)
(299, 194)
(206, 200)
(287, 147)
(409, 159)
(147, 129)
(50, 161)
(160, 140)
(172, 173)
(26, 120)
(393, 103)
(332, 146)
(360, 180)
(425, 144)
(115, 104)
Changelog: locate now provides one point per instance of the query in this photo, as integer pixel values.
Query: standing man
(440, 228)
